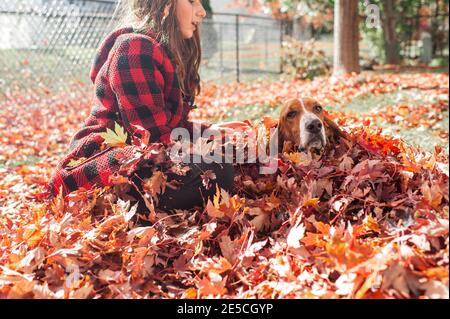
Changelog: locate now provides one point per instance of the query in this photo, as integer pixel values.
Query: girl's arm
(138, 74)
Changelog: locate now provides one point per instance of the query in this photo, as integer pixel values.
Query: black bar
(222, 308)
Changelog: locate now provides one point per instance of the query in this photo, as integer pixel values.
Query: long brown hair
(142, 14)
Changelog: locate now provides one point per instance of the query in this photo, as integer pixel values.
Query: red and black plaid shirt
(135, 84)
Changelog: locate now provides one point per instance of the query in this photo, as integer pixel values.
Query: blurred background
(47, 46)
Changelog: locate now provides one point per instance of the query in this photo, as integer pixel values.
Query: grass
(420, 136)
(29, 160)
(22, 71)
(423, 137)
(35, 71)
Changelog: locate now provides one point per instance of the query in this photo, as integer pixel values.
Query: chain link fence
(47, 46)
(241, 47)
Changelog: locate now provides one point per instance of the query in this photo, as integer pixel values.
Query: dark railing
(244, 45)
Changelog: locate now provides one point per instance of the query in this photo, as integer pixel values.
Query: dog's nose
(314, 126)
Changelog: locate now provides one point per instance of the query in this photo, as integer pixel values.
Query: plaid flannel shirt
(135, 84)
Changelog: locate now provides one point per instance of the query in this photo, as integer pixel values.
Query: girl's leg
(191, 192)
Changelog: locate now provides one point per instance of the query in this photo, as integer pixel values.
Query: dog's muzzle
(313, 136)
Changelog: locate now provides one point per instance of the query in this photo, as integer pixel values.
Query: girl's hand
(229, 128)
(235, 125)
(218, 130)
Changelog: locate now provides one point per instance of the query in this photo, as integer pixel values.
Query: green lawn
(37, 71)
(420, 136)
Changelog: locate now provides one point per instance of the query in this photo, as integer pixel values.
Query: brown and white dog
(304, 126)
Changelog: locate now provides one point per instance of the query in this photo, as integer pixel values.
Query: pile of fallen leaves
(368, 220)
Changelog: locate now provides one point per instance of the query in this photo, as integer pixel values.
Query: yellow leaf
(33, 236)
(116, 138)
(156, 185)
(217, 197)
(293, 157)
(213, 210)
(273, 201)
(198, 248)
(207, 287)
(190, 293)
(324, 229)
(77, 162)
(368, 283)
(436, 273)
(298, 158)
(311, 202)
(312, 239)
(371, 223)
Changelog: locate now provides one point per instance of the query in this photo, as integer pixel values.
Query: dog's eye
(317, 108)
(291, 114)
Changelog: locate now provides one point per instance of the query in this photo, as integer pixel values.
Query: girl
(145, 76)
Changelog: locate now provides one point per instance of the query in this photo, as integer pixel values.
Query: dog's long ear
(284, 144)
(335, 129)
(275, 140)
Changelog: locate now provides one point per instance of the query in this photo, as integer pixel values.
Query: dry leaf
(116, 138)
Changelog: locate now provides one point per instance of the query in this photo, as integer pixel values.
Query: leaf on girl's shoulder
(116, 138)
(76, 162)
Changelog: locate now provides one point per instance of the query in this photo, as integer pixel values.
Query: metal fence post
(237, 48)
(222, 69)
(266, 47)
(61, 54)
(281, 46)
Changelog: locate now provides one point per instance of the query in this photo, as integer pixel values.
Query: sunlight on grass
(425, 138)
(30, 160)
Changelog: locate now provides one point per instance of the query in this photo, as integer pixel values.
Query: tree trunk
(391, 45)
(346, 37)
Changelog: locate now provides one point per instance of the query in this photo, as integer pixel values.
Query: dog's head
(303, 124)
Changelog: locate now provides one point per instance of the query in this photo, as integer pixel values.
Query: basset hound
(304, 126)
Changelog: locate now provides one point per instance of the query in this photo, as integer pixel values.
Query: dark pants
(191, 192)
